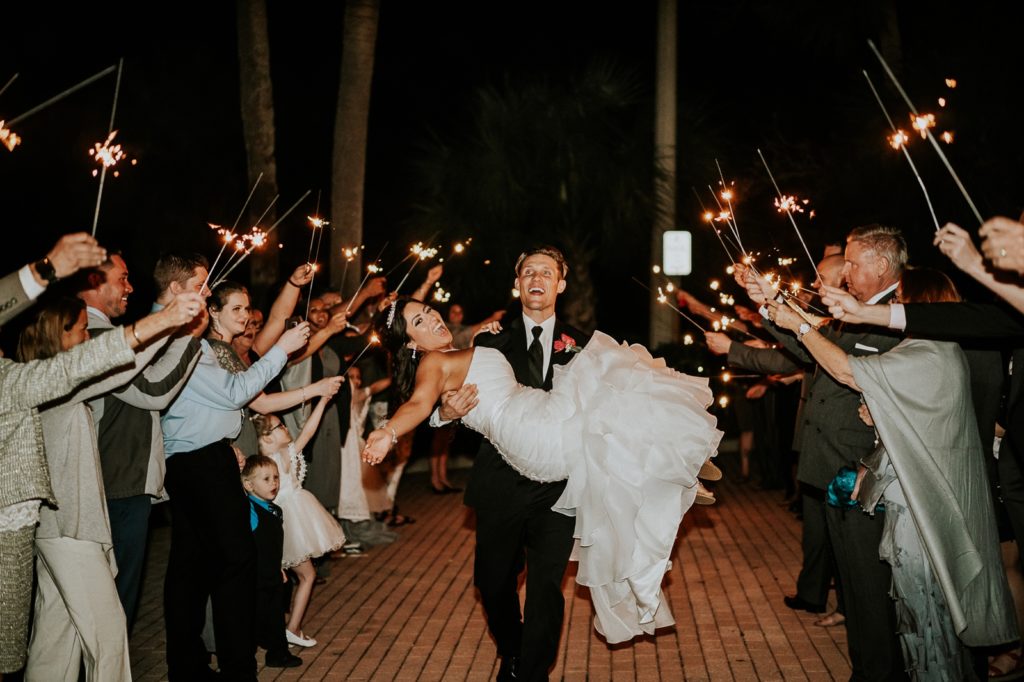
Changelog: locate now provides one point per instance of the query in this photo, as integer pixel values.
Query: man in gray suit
(834, 437)
(128, 420)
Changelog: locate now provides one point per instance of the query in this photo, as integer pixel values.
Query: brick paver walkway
(407, 611)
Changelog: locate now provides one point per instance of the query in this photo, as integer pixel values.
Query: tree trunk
(348, 173)
(258, 128)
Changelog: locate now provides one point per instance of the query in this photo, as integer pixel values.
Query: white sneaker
(299, 639)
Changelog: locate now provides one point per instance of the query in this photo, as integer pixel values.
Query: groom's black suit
(516, 528)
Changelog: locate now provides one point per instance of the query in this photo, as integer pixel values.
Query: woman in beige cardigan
(77, 613)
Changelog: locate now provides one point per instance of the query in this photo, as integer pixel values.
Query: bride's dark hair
(389, 324)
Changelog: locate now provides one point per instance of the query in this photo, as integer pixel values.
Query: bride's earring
(414, 353)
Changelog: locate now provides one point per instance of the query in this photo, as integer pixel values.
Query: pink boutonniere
(567, 344)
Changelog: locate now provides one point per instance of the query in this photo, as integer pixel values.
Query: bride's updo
(390, 326)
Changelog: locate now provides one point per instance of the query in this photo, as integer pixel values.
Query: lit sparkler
(106, 147)
(440, 295)
(951, 83)
(258, 238)
(373, 340)
(947, 137)
(922, 123)
(789, 214)
(790, 204)
(372, 269)
(421, 253)
(899, 141)
(8, 137)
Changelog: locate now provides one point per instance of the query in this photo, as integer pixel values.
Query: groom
(515, 527)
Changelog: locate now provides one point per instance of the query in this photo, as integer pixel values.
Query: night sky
(782, 76)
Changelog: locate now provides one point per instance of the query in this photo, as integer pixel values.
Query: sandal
(709, 472)
(1012, 665)
(831, 620)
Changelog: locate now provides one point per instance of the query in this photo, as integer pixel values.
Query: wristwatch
(44, 268)
(803, 330)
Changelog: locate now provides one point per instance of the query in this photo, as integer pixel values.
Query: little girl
(309, 530)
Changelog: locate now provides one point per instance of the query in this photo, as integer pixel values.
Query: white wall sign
(677, 252)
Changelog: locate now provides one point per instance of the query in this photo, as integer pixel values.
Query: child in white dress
(309, 529)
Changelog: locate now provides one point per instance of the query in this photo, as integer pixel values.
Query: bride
(628, 433)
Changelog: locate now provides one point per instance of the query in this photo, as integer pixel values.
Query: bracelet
(135, 334)
(303, 390)
(297, 286)
(394, 436)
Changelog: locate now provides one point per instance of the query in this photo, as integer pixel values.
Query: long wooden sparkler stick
(927, 132)
(903, 148)
(790, 215)
(728, 199)
(56, 98)
(110, 129)
(662, 298)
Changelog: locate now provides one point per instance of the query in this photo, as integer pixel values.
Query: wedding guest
(1003, 243)
(77, 616)
(940, 535)
(261, 480)
(212, 552)
(25, 481)
(834, 437)
(243, 342)
(127, 420)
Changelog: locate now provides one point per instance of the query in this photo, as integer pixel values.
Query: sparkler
(789, 214)
(8, 137)
(56, 98)
(662, 298)
(709, 218)
(372, 341)
(110, 136)
(931, 138)
(318, 224)
(231, 234)
(899, 141)
(239, 244)
(349, 255)
(371, 269)
(727, 195)
(259, 238)
(8, 83)
(421, 254)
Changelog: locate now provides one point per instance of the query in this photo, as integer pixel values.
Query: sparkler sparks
(947, 137)
(790, 204)
(922, 122)
(898, 139)
(106, 154)
(951, 83)
(8, 137)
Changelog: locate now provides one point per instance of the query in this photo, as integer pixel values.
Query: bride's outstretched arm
(430, 379)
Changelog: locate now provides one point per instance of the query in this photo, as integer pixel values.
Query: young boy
(261, 481)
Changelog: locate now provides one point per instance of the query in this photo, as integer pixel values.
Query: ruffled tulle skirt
(309, 530)
(639, 436)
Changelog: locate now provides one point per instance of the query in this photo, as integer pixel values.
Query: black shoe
(797, 603)
(507, 670)
(285, 660)
(452, 489)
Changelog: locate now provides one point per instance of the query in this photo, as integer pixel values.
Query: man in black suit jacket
(834, 437)
(515, 526)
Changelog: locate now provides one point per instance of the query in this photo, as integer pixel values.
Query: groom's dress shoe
(507, 670)
(799, 604)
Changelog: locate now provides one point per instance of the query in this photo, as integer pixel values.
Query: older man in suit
(515, 526)
(835, 437)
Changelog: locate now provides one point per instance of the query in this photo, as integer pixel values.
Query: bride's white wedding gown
(630, 435)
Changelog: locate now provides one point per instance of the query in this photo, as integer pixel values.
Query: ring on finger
(1002, 253)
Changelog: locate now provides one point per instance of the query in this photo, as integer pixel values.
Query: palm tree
(258, 126)
(568, 163)
(350, 131)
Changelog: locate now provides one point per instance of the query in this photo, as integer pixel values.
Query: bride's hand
(377, 445)
(489, 328)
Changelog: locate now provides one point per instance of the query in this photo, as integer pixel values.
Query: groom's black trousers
(506, 537)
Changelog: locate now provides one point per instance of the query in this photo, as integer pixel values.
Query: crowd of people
(908, 448)
(207, 404)
(905, 445)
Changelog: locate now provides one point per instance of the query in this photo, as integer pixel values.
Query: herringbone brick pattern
(407, 611)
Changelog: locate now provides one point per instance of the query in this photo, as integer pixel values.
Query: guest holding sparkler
(128, 420)
(1003, 243)
(212, 552)
(243, 342)
(940, 532)
(77, 615)
(834, 437)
